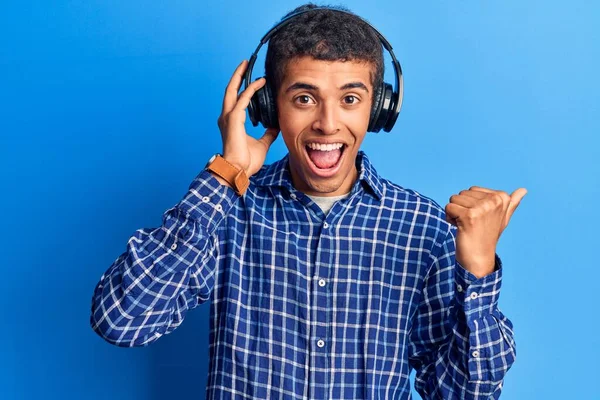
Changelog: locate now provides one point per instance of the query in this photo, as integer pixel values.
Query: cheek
(290, 136)
(361, 120)
(291, 125)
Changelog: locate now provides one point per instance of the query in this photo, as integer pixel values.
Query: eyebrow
(307, 86)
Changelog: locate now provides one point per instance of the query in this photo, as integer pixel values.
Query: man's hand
(239, 148)
(481, 215)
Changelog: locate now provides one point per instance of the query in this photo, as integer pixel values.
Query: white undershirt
(326, 202)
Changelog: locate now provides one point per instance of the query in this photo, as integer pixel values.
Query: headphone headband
(396, 96)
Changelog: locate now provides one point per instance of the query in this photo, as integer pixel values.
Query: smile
(325, 147)
(325, 159)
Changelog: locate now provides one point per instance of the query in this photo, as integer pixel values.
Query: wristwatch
(235, 176)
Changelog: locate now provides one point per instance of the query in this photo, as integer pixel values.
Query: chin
(325, 188)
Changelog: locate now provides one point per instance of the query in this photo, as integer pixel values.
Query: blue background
(108, 110)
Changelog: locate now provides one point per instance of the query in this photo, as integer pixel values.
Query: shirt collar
(278, 174)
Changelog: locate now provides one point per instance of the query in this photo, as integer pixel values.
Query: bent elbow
(120, 336)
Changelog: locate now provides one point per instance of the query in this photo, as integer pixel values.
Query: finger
(465, 201)
(487, 192)
(515, 200)
(476, 194)
(269, 137)
(247, 94)
(454, 212)
(482, 189)
(231, 97)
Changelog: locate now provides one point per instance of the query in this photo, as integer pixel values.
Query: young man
(327, 281)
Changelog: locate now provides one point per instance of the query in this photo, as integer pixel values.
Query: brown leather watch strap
(235, 176)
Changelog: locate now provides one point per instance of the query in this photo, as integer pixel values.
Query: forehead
(324, 74)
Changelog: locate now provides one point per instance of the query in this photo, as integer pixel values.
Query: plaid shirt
(313, 306)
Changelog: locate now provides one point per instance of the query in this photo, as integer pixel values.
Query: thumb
(269, 137)
(515, 200)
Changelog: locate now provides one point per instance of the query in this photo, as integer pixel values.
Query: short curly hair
(325, 35)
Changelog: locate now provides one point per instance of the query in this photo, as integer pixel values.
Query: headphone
(386, 101)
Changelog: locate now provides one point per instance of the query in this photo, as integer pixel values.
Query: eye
(304, 99)
(353, 99)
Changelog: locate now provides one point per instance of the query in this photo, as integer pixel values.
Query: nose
(326, 120)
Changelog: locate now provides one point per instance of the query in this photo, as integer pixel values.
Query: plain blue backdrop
(108, 110)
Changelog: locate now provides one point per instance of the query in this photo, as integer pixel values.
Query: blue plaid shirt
(313, 306)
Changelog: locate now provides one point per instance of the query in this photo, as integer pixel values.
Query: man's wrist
(228, 173)
(221, 180)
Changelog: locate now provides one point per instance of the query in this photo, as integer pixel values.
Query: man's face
(323, 111)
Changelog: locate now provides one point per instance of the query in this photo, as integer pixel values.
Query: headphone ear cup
(265, 108)
(375, 110)
(269, 107)
(382, 108)
(254, 108)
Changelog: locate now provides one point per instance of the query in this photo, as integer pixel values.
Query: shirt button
(219, 207)
(321, 282)
(475, 353)
(325, 225)
(473, 295)
(320, 343)
(293, 196)
(206, 199)
(459, 288)
(173, 246)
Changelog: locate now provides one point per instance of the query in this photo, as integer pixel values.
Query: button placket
(321, 301)
(321, 305)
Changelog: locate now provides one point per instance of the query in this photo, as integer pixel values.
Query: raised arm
(169, 270)
(461, 345)
(165, 271)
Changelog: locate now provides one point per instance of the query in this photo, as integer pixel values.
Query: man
(327, 280)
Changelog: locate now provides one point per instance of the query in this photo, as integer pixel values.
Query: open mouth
(325, 158)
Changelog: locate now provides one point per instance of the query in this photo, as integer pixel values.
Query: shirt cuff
(478, 296)
(208, 201)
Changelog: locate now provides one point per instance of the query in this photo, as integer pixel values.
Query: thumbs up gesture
(480, 215)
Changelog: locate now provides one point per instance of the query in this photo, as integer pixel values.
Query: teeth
(325, 147)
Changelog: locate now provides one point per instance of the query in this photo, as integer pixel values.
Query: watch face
(211, 159)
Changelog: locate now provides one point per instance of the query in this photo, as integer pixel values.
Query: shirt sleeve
(461, 345)
(165, 271)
